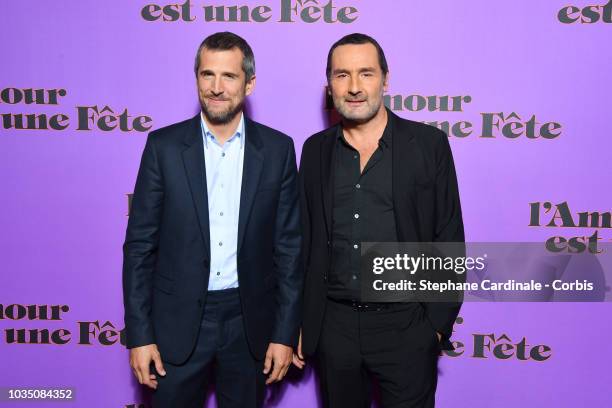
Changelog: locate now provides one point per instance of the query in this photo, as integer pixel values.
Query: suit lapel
(404, 207)
(327, 175)
(251, 172)
(195, 168)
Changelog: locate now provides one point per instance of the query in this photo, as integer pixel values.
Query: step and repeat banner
(522, 89)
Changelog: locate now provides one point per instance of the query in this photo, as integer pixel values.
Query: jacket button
(328, 243)
(199, 302)
(206, 263)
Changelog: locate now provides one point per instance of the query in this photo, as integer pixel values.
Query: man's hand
(298, 357)
(140, 360)
(278, 360)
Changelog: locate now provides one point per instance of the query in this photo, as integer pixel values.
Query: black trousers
(396, 345)
(221, 351)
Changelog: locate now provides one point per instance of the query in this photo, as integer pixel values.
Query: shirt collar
(239, 132)
(385, 139)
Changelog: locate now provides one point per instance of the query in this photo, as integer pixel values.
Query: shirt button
(221, 213)
(218, 273)
(355, 156)
(220, 243)
(356, 215)
(357, 185)
(222, 154)
(356, 246)
(354, 277)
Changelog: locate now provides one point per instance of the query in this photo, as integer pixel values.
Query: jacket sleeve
(140, 249)
(448, 228)
(287, 258)
(304, 212)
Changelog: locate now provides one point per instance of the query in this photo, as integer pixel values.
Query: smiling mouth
(216, 101)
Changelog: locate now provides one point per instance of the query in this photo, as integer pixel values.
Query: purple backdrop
(65, 192)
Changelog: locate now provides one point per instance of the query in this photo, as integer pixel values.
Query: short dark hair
(357, 38)
(224, 41)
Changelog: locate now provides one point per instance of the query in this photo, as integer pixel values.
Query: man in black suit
(374, 177)
(212, 275)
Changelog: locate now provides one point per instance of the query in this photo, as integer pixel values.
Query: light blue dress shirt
(224, 183)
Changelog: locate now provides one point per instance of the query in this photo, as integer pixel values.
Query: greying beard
(347, 115)
(222, 118)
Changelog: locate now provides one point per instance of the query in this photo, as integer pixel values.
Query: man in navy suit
(212, 276)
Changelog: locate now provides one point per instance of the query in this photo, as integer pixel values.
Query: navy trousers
(222, 356)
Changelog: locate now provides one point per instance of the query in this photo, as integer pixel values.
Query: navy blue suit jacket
(166, 262)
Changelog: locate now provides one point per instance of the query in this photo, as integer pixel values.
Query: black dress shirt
(362, 211)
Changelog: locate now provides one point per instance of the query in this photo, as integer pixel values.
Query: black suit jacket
(426, 205)
(167, 246)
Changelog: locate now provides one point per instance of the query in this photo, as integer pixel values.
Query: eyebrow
(229, 73)
(346, 71)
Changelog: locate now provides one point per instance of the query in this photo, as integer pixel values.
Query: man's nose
(354, 87)
(217, 87)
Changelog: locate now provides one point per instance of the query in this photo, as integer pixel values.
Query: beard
(360, 116)
(221, 117)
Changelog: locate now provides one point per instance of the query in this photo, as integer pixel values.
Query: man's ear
(386, 82)
(250, 86)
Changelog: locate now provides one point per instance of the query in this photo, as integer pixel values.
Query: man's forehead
(229, 58)
(355, 55)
